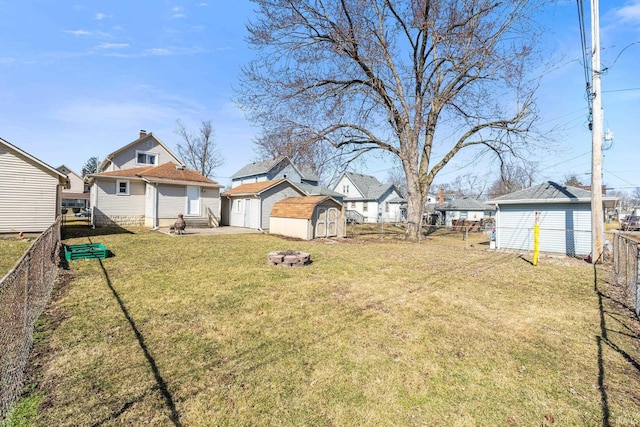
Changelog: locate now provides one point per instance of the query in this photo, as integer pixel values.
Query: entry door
(193, 200)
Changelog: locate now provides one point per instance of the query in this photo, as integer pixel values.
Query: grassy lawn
(199, 330)
(11, 249)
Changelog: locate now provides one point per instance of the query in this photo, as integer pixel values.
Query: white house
(145, 184)
(74, 196)
(564, 218)
(370, 199)
(30, 191)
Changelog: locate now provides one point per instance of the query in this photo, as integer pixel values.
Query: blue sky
(81, 78)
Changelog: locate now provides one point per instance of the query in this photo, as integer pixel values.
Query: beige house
(145, 184)
(308, 217)
(74, 195)
(30, 191)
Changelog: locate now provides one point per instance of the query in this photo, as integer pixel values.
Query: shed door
(332, 222)
(321, 223)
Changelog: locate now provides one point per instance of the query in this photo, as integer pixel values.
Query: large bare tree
(199, 150)
(421, 79)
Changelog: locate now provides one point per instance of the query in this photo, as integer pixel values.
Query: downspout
(156, 220)
(260, 217)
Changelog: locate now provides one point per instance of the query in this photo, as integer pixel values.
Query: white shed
(564, 219)
(30, 191)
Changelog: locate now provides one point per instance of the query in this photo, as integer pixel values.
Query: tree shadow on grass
(160, 382)
(82, 230)
(608, 337)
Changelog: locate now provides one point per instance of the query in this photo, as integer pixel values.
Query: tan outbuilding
(308, 218)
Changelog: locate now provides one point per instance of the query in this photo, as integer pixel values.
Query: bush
(76, 210)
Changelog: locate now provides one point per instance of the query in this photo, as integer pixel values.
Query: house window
(146, 158)
(353, 205)
(365, 206)
(386, 207)
(122, 188)
(345, 189)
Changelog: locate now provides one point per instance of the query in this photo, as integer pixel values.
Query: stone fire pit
(289, 258)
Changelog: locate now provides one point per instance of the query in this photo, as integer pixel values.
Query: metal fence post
(637, 281)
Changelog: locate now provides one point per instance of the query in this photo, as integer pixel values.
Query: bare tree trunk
(415, 202)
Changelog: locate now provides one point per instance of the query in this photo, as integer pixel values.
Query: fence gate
(626, 252)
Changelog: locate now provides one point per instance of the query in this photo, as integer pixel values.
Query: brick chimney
(143, 133)
(441, 196)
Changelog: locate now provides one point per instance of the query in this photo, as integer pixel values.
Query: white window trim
(146, 153)
(118, 182)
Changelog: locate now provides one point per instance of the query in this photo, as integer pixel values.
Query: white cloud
(83, 33)
(630, 12)
(78, 32)
(178, 12)
(203, 4)
(112, 45)
(7, 60)
(159, 51)
(100, 16)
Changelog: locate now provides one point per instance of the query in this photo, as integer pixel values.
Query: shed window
(386, 207)
(238, 206)
(353, 205)
(122, 188)
(365, 206)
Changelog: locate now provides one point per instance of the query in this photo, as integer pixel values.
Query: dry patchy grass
(201, 331)
(11, 249)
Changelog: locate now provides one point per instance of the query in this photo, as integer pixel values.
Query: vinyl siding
(271, 197)
(353, 191)
(564, 228)
(173, 201)
(128, 158)
(111, 204)
(28, 200)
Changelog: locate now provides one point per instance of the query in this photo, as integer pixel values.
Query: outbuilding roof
(254, 187)
(464, 204)
(549, 192)
(298, 207)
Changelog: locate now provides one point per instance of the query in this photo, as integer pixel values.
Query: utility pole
(597, 216)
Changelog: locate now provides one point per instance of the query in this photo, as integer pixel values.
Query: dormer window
(146, 158)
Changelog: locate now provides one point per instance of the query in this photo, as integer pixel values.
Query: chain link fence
(625, 265)
(24, 293)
